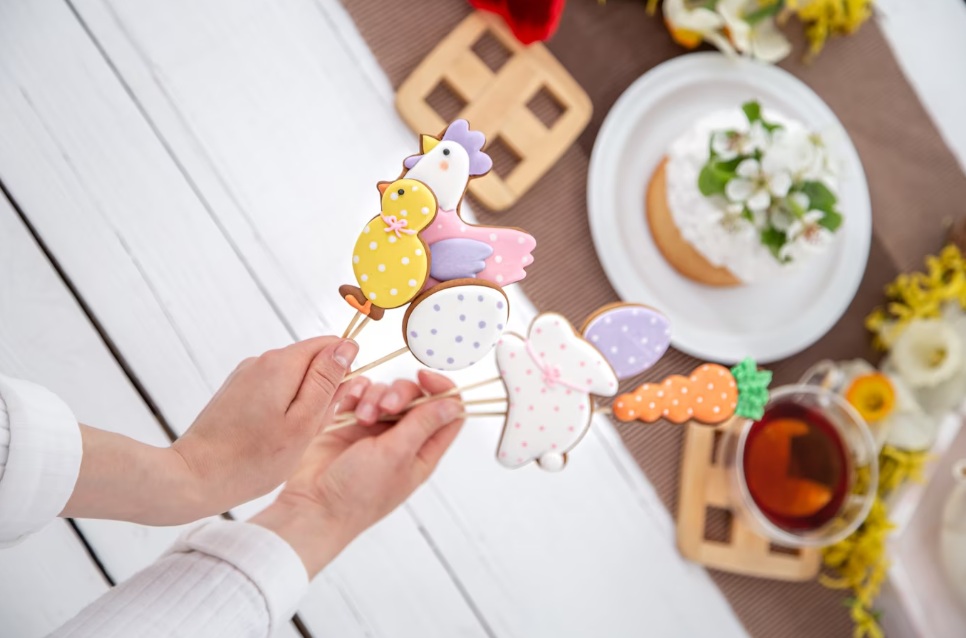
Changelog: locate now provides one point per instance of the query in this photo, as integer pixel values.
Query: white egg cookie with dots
(456, 324)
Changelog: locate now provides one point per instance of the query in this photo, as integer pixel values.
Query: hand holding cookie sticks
(459, 255)
(551, 376)
(711, 395)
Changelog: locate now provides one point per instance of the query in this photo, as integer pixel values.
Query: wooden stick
(352, 324)
(452, 392)
(377, 362)
(394, 418)
(604, 409)
(350, 416)
(355, 333)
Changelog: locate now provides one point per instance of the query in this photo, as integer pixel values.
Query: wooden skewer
(398, 417)
(452, 392)
(355, 333)
(352, 324)
(351, 417)
(377, 362)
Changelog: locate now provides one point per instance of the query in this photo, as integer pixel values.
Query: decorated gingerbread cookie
(711, 394)
(390, 261)
(549, 376)
(493, 253)
(455, 324)
(631, 337)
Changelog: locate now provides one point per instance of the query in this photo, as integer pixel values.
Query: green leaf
(713, 178)
(819, 196)
(764, 12)
(832, 220)
(752, 111)
(773, 239)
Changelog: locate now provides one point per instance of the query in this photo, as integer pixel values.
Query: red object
(530, 20)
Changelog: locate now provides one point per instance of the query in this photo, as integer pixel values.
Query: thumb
(322, 379)
(407, 437)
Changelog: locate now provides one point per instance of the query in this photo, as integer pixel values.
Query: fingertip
(434, 381)
(448, 410)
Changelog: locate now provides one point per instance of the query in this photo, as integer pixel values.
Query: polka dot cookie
(456, 324)
(550, 377)
(708, 395)
(631, 337)
(390, 261)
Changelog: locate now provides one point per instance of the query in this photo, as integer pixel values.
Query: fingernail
(358, 389)
(345, 353)
(448, 410)
(366, 412)
(390, 401)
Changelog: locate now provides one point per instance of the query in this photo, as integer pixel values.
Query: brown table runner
(916, 185)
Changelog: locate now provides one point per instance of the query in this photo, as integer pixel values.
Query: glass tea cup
(805, 474)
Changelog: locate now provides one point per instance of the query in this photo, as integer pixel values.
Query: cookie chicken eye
(445, 151)
(401, 191)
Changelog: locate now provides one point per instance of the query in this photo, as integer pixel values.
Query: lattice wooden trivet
(705, 507)
(521, 97)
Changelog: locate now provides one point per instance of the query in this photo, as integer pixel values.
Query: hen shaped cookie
(549, 378)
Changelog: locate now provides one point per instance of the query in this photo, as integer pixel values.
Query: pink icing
(512, 248)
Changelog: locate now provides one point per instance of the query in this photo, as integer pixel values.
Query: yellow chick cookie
(390, 261)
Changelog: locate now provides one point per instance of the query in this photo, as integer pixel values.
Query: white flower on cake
(755, 188)
(805, 236)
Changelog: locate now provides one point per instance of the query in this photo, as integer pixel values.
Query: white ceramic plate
(766, 321)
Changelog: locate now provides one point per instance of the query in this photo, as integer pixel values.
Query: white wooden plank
(505, 535)
(182, 308)
(46, 338)
(45, 581)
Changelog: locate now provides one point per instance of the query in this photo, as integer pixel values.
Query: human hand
(352, 477)
(253, 432)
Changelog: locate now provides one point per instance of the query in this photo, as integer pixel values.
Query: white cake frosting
(698, 218)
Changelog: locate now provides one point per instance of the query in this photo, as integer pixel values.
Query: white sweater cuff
(43, 459)
(260, 554)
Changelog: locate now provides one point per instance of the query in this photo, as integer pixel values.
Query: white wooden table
(180, 182)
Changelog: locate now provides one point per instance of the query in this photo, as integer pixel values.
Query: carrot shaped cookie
(711, 394)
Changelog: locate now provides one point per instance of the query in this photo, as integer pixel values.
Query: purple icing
(499, 305)
(499, 326)
(430, 353)
(412, 333)
(471, 141)
(433, 331)
(632, 338)
(462, 317)
(459, 339)
(449, 360)
(458, 259)
(482, 325)
(476, 344)
(436, 307)
(480, 298)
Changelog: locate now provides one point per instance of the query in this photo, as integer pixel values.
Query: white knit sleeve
(223, 578)
(40, 457)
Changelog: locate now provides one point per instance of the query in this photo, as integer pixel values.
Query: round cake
(742, 197)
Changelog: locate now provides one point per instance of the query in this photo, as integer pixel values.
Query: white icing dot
(525, 259)
(412, 283)
(624, 328)
(498, 259)
(363, 277)
(492, 236)
(716, 409)
(660, 393)
(720, 373)
(366, 229)
(393, 292)
(372, 296)
(639, 399)
(499, 279)
(684, 390)
(711, 386)
(392, 239)
(520, 240)
(419, 252)
(381, 267)
(415, 187)
(665, 411)
(425, 211)
(644, 340)
(620, 404)
(631, 360)
(674, 402)
(607, 320)
(724, 395)
(595, 338)
(700, 399)
(613, 349)
(405, 261)
(373, 245)
(652, 405)
(633, 412)
(463, 228)
(690, 411)
(355, 259)
(394, 196)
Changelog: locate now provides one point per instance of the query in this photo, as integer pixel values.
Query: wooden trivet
(504, 103)
(705, 493)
